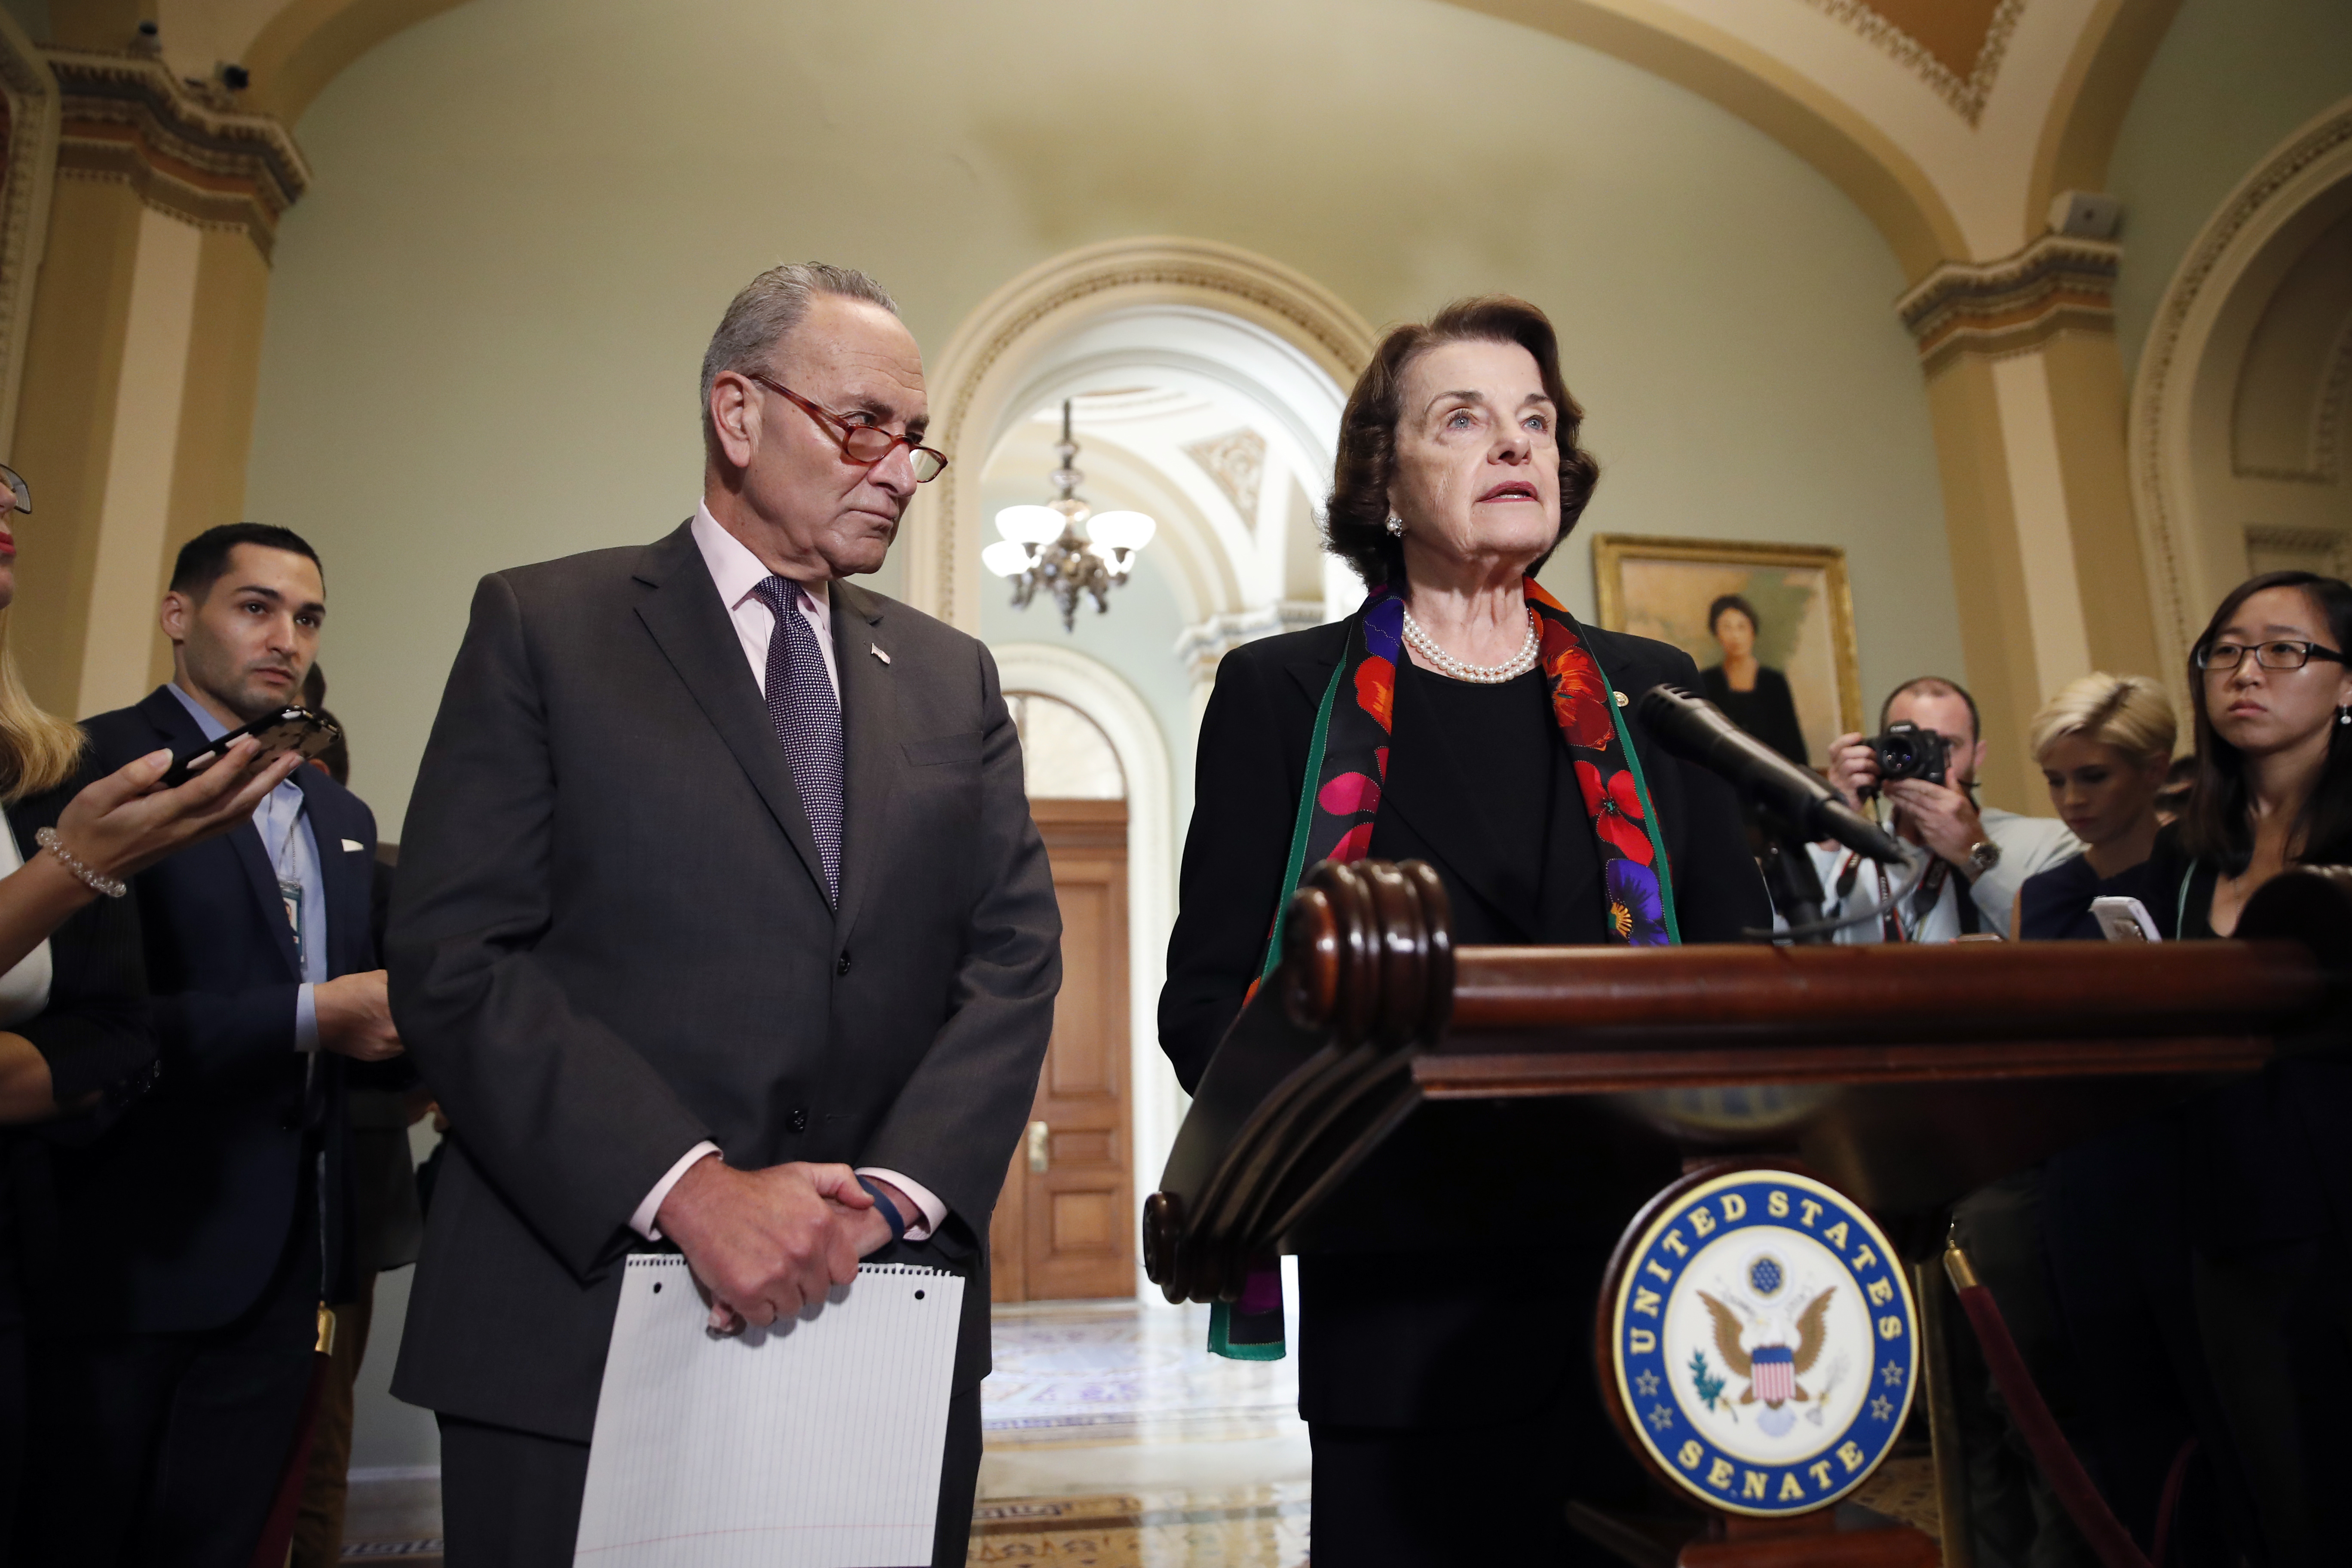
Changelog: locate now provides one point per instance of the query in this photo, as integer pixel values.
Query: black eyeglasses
(866, 444)
(2269, 654)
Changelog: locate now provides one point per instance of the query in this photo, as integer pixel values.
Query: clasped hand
(764, 1244)
(1937, 815)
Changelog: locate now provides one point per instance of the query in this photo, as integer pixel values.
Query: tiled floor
(1114, 1440)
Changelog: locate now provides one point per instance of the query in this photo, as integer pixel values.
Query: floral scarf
(1349, 762)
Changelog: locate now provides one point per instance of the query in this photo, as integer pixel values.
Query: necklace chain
(1445, 663)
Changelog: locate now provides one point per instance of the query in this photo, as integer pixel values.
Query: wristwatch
(1983, 855)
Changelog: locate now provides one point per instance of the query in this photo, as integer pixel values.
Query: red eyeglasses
(865, 444)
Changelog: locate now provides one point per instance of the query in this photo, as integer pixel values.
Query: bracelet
(889, 1210)
(97, 882)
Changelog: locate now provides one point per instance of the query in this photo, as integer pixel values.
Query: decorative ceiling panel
(1954, 46)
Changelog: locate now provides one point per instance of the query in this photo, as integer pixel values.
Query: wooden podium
(1891, 1079)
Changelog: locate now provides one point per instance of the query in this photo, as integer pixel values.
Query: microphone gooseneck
(1697, 731)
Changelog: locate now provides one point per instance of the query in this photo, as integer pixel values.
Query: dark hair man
(1983, 854)
(171, 1342)
(719, 881)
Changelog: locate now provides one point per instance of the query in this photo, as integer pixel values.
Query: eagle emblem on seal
(1771, 1366)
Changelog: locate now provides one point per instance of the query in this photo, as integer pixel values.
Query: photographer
(1924, 761)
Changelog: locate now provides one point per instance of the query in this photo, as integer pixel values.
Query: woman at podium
(1463, 718)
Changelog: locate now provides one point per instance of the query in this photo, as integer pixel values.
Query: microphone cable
(1921, 862)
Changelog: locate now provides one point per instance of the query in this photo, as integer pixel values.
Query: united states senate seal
(1764, 1343)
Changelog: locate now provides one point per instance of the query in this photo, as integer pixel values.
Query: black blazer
(1389, 1343)
(176, 1219)
(94, 1035)
(610, 940)
(94, 1032)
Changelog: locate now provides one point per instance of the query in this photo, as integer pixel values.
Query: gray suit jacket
(610, 940)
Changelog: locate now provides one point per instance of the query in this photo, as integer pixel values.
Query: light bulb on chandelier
(1042, 547)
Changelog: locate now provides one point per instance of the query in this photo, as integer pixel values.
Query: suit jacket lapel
(682, 611)
(180, 732)
(870, 716)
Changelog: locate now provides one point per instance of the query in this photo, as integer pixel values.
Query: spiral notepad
(813, 1444)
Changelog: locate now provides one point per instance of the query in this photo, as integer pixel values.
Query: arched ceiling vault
(1951, 165)
(1926, 151)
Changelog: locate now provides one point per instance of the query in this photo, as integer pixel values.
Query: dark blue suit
(191, 1243)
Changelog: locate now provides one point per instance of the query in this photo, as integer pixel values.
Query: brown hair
(1732, 602)
(2214, 826)
(1355, 523)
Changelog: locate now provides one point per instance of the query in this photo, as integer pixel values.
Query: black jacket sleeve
(94, 1032)
(1245, 800)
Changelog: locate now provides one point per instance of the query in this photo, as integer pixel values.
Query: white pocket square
(355, 846)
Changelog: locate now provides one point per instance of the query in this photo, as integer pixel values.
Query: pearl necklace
(1445, 663)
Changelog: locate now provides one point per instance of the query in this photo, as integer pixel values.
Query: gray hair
(770, 306)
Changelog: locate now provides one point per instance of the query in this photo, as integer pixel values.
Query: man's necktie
(807, 717)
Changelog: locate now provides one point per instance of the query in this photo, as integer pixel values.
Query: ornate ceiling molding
(1201, 649)
(2053, 285)
(1966, 94)
(1236, 460)
(31, 140)
(127, 118)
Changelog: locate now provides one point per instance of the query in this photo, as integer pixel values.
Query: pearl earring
(1396, 529)
(2344, 715)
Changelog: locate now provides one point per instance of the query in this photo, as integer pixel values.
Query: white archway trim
(999, 354)
(2302, 169)
(1156, 1103)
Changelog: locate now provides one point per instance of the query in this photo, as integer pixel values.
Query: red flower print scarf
(1347, 765)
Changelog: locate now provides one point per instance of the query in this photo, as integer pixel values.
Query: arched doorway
(1206, 386)
(2245, 394)
(1062, 1229)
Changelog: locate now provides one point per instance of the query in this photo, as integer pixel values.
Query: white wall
(487, 315)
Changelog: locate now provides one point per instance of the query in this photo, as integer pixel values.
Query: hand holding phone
(2124, 920)
(125, 822)
(290, 729)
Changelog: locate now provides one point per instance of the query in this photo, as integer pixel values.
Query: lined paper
(814, 1443)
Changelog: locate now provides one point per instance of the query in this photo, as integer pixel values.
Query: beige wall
(527, 215)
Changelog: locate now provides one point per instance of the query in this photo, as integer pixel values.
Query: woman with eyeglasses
(2203, 1260)
(2273, 708)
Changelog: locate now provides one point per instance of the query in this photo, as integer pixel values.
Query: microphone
(1697, 731)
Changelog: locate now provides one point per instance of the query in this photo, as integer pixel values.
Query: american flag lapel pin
(876, 650)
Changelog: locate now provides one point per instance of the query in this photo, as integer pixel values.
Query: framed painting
(1770, 625)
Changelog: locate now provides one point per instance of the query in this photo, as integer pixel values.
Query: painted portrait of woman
(1753, 695)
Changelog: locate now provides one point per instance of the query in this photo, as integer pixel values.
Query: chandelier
(1042, 547)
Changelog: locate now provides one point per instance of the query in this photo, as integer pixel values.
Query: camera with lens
(1907, 751)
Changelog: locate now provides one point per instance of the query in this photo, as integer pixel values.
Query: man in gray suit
(720, 918)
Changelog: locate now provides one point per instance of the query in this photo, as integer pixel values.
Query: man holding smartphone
(175, 1315)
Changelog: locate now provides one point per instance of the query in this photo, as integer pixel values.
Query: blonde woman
(2104, 744)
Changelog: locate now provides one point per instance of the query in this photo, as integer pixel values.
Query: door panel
(1066, 1227)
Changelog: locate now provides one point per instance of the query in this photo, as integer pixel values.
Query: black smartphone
(289, 729)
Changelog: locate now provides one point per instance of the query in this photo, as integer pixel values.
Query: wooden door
(1066, 1227)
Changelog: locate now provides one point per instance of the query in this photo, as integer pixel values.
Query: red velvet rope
(2064, 1471)
(277, 1534)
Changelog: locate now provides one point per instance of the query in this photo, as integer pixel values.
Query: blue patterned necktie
(807, 717)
